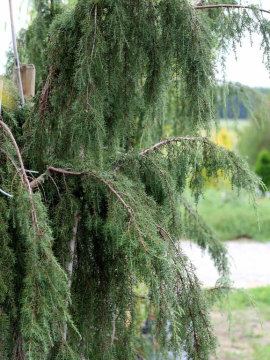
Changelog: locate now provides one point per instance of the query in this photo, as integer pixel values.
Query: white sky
(247, 69)
(21, 17)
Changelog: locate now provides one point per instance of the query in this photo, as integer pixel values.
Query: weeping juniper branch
(38, 252)
(198, 153)
(199, 349)
(9, 133)
(231, 25)
(236, 169)
(230, 6)
(204, 237)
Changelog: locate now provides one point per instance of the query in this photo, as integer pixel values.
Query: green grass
(261, 352)
(248, 337)
(232, 216)
(257, 297)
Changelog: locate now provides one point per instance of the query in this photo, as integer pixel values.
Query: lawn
(234, 216)
(246, 335)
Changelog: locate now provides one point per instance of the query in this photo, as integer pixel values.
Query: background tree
(256, 133)
(103, 215)
(262, 167)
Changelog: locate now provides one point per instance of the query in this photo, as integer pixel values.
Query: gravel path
(250, 263)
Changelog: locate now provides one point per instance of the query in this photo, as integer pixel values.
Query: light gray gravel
(250, 263)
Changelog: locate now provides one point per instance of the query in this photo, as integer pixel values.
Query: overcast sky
(247, 69)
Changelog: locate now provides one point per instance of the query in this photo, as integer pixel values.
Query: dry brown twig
(229, 6)
(10, 135)
(24, 177)
(169, 141)
(108, 185)
(45, 93)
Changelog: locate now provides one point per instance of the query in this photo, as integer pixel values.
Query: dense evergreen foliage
(103, 217)
(262, 167)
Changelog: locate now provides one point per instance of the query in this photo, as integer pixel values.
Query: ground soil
(242, 336)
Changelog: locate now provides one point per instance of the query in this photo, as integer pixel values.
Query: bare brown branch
(24, 177)
(168, 141)
(126, 206)
(37, 181)
(45, 93)
(110, 187)
(10, 135)
(12, 162)
(66, 172)
(230, 6)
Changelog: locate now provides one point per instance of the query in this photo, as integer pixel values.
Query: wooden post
(28, 78)
(16, 56)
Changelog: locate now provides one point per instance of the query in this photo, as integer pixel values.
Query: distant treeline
(237, 107)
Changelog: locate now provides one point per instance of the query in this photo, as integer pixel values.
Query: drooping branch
(125, 205)
(187, 281)
(66, 172)
(214, 245)
(10, 135)
(169, 141)
(109, 186)
(14, 166)
(164, 143)
(23, 176)
(39, 179)
(204, 140)
(35, 182)
(230, 6)
(191, 285)
(9, 158)
(45, 93)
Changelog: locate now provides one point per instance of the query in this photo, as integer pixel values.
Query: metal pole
(16, 56)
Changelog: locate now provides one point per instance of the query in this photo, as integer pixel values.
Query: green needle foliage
(103, 218)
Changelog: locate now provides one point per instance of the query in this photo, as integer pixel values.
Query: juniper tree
(102, 218)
